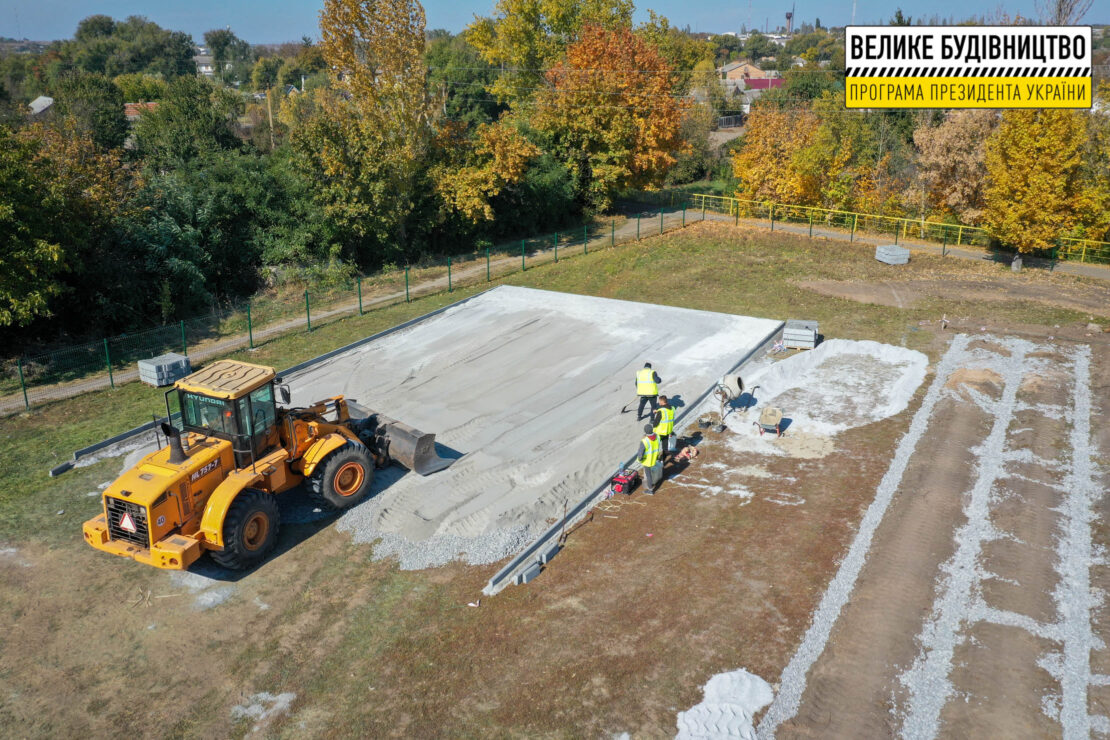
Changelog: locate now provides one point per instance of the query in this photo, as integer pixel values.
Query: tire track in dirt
(793, 681)
(849, 689)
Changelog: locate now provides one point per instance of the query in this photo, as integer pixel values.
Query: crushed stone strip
(793, 680)
(1074, 600)
(927, 680)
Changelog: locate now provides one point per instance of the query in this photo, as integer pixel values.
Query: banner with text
(968, 67)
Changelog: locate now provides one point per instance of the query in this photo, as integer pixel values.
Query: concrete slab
(528, 386)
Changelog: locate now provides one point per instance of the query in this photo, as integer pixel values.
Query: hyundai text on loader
(212, 487)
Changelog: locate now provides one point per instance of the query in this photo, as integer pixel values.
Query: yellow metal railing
(1080, 250)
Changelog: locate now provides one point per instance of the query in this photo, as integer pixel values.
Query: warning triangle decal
(126, 522)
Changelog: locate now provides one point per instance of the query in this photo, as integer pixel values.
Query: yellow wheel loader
(212, 486)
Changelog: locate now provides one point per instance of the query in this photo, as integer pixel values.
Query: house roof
(134, 110)
(764, 83)
(39, 104)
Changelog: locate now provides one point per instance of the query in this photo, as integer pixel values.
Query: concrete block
(800, 334)
(528, 574)
(551, 552)
(892, 254)
(164, 369)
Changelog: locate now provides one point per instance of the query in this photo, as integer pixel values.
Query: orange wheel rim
(255, 531)
(348, 479)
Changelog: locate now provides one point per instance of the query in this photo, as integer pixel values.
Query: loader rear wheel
(250, 530)
(343, 479)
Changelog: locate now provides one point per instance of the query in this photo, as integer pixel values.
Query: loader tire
(343, 479)
(250, 530)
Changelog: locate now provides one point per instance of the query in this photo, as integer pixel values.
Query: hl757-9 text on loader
(212, 487)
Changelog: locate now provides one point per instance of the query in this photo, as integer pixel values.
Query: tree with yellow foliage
(1035, 191)
(769, 166)
(609, 114)
(525, 37)
(478, 171)
(373, 141)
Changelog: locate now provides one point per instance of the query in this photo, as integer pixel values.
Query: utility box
(164, 369)
(799, 334)
(892, 254)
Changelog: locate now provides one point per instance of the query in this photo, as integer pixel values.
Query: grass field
(369, 649)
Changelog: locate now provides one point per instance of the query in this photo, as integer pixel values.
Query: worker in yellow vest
(663, 419)
(647, 388)
(651, 459)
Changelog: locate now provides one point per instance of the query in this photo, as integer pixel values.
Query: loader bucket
(407, 445)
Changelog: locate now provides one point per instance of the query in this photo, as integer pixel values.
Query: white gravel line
(927, 680)
(793, 681)
(1074, 599)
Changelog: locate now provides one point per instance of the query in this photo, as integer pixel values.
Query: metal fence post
(895, 232)
(407, 299)
(811, 224)
(772, 217)
(522, 265)
(736, 216)
(184, 344)
(487, 264)
(944, 245)
(637, 227)
(855, 221)
(660, 220)
(359, 279)
(250, 327)
(684, 215)
(613, 232)
(449, 288)
(307, 312)
(703, 209)
(23, 384)
(556, 246)
(108, 362)
(585, 239)
(960, 236)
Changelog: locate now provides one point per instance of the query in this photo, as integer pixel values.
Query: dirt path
(974, 615)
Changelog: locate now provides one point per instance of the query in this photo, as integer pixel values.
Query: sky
(273, 21)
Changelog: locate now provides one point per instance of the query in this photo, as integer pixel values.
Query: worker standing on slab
(651, 459)
(647, 388)
(663, 420)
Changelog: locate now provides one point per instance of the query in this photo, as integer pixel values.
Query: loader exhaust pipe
(173, 438)
(390, 439)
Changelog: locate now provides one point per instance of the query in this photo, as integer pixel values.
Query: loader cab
(233, 401)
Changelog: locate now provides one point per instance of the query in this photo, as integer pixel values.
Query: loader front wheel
(250, 530)
(343, 479)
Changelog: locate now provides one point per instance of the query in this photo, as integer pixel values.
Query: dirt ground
(651, 597)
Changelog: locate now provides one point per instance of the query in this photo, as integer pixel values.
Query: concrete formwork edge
(85, 451)
(546, 543)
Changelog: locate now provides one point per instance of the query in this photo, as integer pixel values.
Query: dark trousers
(644, 400)
(653, 476)
(663, 442)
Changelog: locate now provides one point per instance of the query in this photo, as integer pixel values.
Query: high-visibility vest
(666, 420)
(645, 383)
(651, 452)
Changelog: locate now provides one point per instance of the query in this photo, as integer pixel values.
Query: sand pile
(840, 385)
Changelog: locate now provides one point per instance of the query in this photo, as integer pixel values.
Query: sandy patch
(527, 386)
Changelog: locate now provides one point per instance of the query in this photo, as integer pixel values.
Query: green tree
(133, 45)
(29, 260)
(758, 46)
(141, 87)
(95, 103)
(194, 118)
(265, 72)
(457, 79)
(231, 55)
(679, 49)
